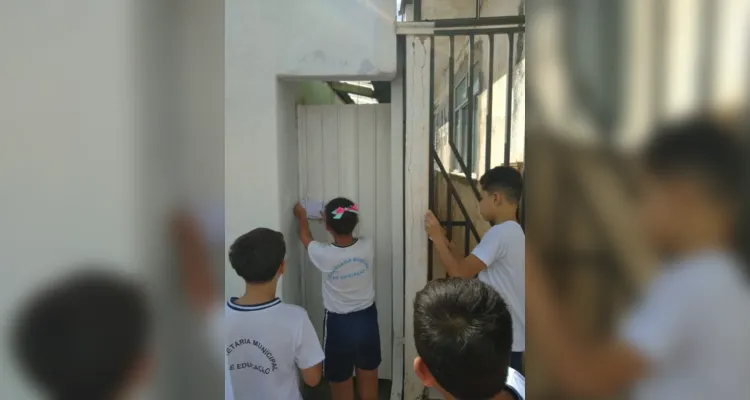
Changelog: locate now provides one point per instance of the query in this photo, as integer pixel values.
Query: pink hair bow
(339, 212)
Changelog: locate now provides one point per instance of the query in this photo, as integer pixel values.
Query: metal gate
(475, 64)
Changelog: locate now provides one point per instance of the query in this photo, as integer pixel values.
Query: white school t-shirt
(265, 346)
(693, 327)
(503, 251)
(347, 274)
(516, 383)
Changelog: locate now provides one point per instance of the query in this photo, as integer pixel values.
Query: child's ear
(282, 268)
(498, 198)
(423, 373)
(143, 369)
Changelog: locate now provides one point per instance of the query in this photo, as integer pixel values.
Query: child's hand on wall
(300, 211)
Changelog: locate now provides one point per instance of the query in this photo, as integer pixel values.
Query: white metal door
(345, 150)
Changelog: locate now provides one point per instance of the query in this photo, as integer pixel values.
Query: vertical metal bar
(509, 99)
(431, 177)
(477, 8)
(470, 111)
(743, 236)
(706, 54)
(451, 88)
(467, 241)
(431, 195)
(417, 10)
(521, 214)
(657, 60)
(469, 130)
(490, 84)
(449, 214)
(451, 112)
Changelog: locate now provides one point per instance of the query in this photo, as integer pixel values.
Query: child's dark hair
(700, 148)
(348, 221)
(82, 337)
(257, 255)
(505, 180)
(463, 333)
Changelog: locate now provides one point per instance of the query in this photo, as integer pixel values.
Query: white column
(397, 235)
(417, 161)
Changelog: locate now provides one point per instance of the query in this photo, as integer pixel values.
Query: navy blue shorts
(350, 341)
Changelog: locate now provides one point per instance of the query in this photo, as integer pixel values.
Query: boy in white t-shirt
(463, 333)
(499, 257)
(267, 341)
(352, 336)
(687, 338)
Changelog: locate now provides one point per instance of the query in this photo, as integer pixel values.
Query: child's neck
(343, 240)
(504, 395)
(258, 293)
(704, 237)
(504, 217)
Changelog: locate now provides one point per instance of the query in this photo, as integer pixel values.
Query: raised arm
(303, 226)
(194, 262)
(457, 267)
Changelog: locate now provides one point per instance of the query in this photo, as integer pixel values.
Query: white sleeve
(308, 351)
(658, 326)
(490, 248)
(317, 252)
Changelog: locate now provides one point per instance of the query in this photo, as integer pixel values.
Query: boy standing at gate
(499, 256)
(352, 337)
(687, 338)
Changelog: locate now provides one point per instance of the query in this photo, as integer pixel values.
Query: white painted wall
(74, 146)
(288, 168)
(92, 157)
(268, 40)
(198, 74)
(345, 150)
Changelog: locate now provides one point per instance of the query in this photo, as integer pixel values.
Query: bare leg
(342, 390)
(367, 384)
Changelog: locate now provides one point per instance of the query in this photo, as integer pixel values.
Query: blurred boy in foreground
(688, 337)
(463, 332)
(86, 338)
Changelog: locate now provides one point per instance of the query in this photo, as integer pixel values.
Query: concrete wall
(76, 141)
(331, 39)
